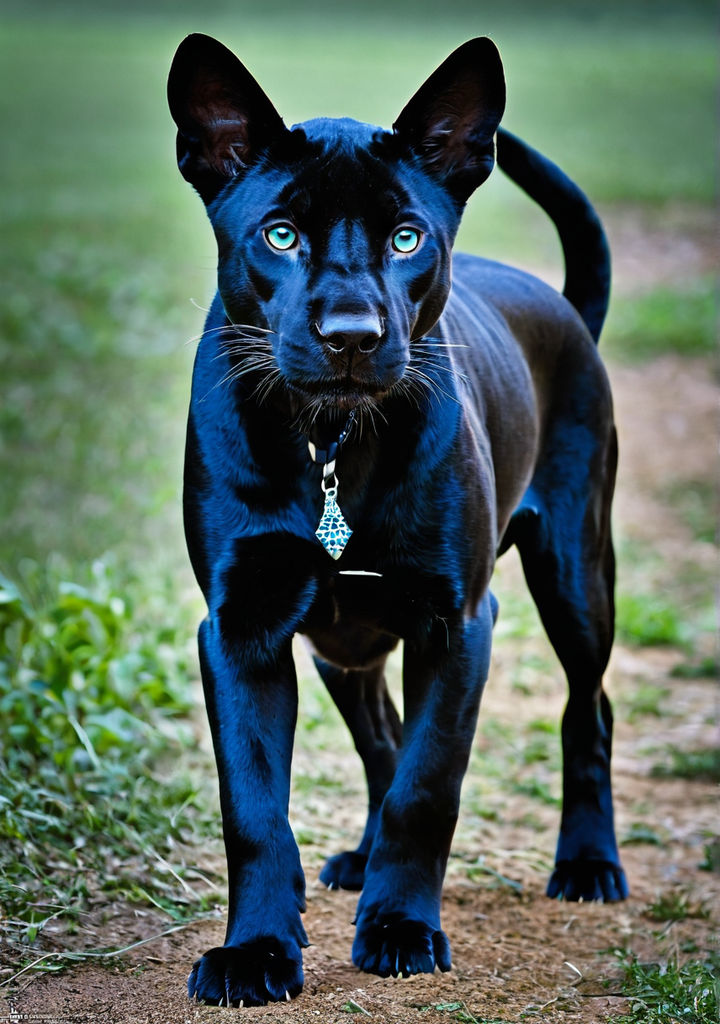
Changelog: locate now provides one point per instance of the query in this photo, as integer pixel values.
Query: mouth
(340, 394)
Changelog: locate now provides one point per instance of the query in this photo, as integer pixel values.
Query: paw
(587, 880)
(344, 871)
(251, 974)
(395, 945)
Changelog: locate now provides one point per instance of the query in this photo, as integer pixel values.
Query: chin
(326, 396)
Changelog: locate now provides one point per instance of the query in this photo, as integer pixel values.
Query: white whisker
(436, 343)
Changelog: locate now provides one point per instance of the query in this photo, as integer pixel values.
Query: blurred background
(106, 253)
(106, 264)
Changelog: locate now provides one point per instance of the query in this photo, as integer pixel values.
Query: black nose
(344, 332)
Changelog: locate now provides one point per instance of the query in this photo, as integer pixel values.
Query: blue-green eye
(281, 237)
(406, 240)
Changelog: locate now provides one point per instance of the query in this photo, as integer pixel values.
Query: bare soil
(516, 954)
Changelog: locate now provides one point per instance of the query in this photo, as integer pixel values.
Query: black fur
(483, 418)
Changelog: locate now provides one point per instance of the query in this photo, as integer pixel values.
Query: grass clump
(712, 857)
(701, 765)
(459, 1011)
(646, 620)
(671, 993)
(93, 690)
(646, 699)
(641, 834)
(676, 906)
(704, 668)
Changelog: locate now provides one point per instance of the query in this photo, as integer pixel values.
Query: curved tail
(585, 247)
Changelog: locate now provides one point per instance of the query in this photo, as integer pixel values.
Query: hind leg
(563, 532)
(366, 706)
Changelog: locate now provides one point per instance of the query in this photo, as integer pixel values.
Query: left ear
(451, 120)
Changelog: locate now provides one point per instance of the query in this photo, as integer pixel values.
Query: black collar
(325, 451)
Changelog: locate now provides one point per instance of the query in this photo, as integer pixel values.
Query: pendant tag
(333, 532)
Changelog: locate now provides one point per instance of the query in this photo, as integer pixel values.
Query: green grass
(703, 668)
(671, 993)
(489, 878)
(676, 905)
(702, 765)
(712, 856)
(459, 1011)
(681, 320)
(104, 245)
(93, 693)
(648, 620)
(640, 834)
(103, 249)
(645, 699)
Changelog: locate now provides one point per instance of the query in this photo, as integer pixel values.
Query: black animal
(372, 422)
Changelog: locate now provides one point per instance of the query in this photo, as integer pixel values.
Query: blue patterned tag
(333, 532)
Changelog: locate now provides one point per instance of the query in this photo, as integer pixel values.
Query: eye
(406, 240)
(281, 236)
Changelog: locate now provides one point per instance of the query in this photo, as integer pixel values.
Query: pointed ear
(224, 118)
(451, 120)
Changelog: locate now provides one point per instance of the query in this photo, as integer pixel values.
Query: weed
(459, 1011)
(670, 993)
(676, 906)
(93, 690)
(702, 765)
(640, 833)
(538, 750)
(544, 725)
(350, 1006)
(647, 620)
(712, 856)
(706, 668)
(645, 699)
(481, 870)
(537, 790)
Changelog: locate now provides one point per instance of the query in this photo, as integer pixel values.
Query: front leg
(398, 916)
(251, 693)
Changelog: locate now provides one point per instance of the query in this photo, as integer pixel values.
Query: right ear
(224, 118)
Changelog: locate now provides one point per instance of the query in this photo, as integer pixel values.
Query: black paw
(587, 880)
(397, 946)
(251, 974)
(344, 871)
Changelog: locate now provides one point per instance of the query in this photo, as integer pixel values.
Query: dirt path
(514, 951)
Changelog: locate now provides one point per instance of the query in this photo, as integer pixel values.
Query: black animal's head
(335, 236)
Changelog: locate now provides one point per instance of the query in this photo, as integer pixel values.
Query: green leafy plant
(639, 833)
(646, 699)
(712, 856)
(676, 905)
(647, 620)
(93, 692)
(705, 668)
(670, 993)
(492, 879)
(702, 765)
(459, 1011)
(350, 1006)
